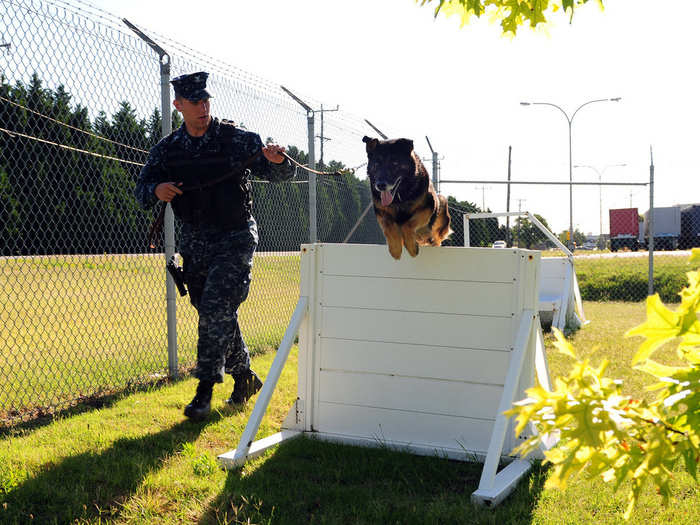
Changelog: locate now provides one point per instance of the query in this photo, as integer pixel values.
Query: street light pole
(569, 121)
(600, 193)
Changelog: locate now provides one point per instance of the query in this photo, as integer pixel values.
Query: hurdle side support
(247, 449)
(494, 487)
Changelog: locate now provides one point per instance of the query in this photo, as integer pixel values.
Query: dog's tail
(446, 230)
(440, 222)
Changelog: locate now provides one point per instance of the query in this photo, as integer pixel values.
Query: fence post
(169, 225)
(467, 240)
(650, 229)
(313, 225)
(313, 231)
(169, 219)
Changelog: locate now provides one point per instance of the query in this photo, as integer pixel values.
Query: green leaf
(659, 370)
(561, 344)
(661, 326)
(695, 256)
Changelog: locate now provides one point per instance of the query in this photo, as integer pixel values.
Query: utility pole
(483, 196)
(321, 136)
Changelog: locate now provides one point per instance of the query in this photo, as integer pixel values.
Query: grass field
(626, 278)
(137, 460)
(77, 326)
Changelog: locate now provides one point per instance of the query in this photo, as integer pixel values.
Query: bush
(611, 280)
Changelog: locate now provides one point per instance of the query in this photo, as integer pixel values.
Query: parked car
(499, 244)
(589, 245)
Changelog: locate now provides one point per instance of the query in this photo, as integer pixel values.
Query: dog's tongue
(387, 197)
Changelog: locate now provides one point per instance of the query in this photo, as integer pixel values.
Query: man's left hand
(273, 153)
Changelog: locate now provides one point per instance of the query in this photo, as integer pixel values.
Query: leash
(317, 172)
(157, 224)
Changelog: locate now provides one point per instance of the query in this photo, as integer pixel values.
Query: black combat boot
(200, 406)
(244, 387)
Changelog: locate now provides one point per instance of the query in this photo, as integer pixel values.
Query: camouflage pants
(217, 269)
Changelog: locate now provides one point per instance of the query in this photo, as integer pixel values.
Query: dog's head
(388, 163)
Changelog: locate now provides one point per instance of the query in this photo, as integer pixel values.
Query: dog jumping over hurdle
(409, 211)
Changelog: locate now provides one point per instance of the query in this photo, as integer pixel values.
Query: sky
(412, 75)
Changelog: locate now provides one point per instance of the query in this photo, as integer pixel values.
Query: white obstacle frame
(422, 354)
(559, 294)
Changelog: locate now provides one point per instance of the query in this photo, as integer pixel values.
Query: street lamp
(569, 120)
(600, 193)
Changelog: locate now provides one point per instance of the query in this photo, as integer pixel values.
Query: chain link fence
(82, 301)
(82, 298)
(629, 260)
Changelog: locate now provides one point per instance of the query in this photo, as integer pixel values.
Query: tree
(482, 232)
(527, 235)
(511, 13)
(579, 237)
(608, 434)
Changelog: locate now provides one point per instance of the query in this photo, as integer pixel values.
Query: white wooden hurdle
(422, 354)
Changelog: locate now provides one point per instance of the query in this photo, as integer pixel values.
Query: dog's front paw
(395, 252)
(412, 249)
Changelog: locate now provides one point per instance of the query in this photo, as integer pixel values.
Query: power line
(71, 127)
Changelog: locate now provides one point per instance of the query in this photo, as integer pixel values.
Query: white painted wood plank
(465, 364)
(427, 396)
(391, 293)
(505, 482)
(494, 333)
(455, 453)
(528, 287)
(409, 427)
(445, 262)
(231, 460)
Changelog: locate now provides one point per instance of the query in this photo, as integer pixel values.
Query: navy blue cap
(191, 86)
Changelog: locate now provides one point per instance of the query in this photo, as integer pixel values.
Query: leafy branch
(511, 13)
(605, 433)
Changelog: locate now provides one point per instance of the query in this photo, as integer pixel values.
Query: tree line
(58, 200)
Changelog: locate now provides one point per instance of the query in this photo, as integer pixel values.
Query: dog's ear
(371, 143)
(405, 145)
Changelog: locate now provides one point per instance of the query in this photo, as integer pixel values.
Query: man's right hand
(167, 191)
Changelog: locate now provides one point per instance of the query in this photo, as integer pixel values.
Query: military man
(203, 170)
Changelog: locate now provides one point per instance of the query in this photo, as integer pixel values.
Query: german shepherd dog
(408, 209)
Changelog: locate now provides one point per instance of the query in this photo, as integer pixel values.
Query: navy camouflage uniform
(217, 254)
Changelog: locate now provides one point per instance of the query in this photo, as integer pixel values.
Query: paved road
(612, 255)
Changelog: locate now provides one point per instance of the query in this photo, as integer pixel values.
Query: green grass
(137, 460)
(77, 326)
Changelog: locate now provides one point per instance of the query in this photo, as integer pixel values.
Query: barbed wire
(72, 127)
